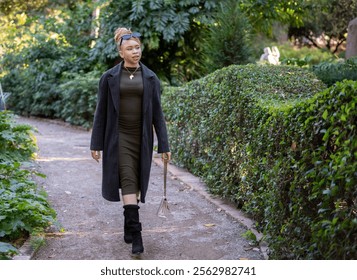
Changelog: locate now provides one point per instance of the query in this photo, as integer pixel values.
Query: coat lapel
(114, 85)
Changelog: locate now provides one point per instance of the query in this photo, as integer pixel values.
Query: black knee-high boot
(131, 213)
(128, 237)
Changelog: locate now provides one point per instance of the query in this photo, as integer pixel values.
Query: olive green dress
(130, 121)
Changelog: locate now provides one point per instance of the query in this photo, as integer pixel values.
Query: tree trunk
(351, 48)
(95, 22)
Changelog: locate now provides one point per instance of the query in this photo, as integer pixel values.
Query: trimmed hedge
(267, 138)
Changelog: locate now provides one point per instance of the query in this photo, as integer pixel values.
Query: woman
(128, 107)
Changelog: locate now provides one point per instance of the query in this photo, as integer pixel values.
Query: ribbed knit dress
(130, 122)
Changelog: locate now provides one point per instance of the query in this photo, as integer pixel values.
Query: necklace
(132, 73)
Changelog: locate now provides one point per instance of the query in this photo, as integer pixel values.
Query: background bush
(78, 98)
(51, 87)
(233, 29)
(46, 63)
(33, 78)
(304, 56)
(336, 71)
(16, 141)
(264, 137)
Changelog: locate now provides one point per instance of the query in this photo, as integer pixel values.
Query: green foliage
(44, 54)
(304, 56)
(78, 98)
(228, 40)
(307, 181)
(54, 93)
(48, 64)
(16, 141)
(249, 235)
(332, 72)
(32, 77)
(263, 14)
(171, 34)
(24, 209)
(7, 250)
(327, 18)
(203, 125)
(13, 6)
(264, 137)
(27, 19)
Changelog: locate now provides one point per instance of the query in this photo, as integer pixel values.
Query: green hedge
(24, 209)
(308, 174)
(264, 137)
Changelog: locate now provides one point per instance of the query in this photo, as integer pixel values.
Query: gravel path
(91, 228)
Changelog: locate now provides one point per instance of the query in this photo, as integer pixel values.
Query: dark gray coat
(105, 134)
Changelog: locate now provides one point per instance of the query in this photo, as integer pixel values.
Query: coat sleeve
(159, 120)
(99, 123)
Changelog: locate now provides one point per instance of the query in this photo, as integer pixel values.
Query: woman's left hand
(166, 156)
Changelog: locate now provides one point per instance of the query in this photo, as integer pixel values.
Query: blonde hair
(119, 32)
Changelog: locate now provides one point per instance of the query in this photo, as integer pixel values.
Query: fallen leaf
(209, 225)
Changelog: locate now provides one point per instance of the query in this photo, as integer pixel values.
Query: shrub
(332, 72)
(78, 95)
(305, 56)
(48, 78)
(228, 41)
(264, 137)
(24, 209)
(32, 77)
(16, 141)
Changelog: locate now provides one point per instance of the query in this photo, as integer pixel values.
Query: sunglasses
(128, 36)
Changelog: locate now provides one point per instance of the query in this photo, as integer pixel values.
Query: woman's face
(130, 51)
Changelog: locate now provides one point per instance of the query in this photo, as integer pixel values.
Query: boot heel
(137, 245)
(128, 238)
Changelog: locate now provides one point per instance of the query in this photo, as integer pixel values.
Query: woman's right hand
(166, 156)
(96, 155)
